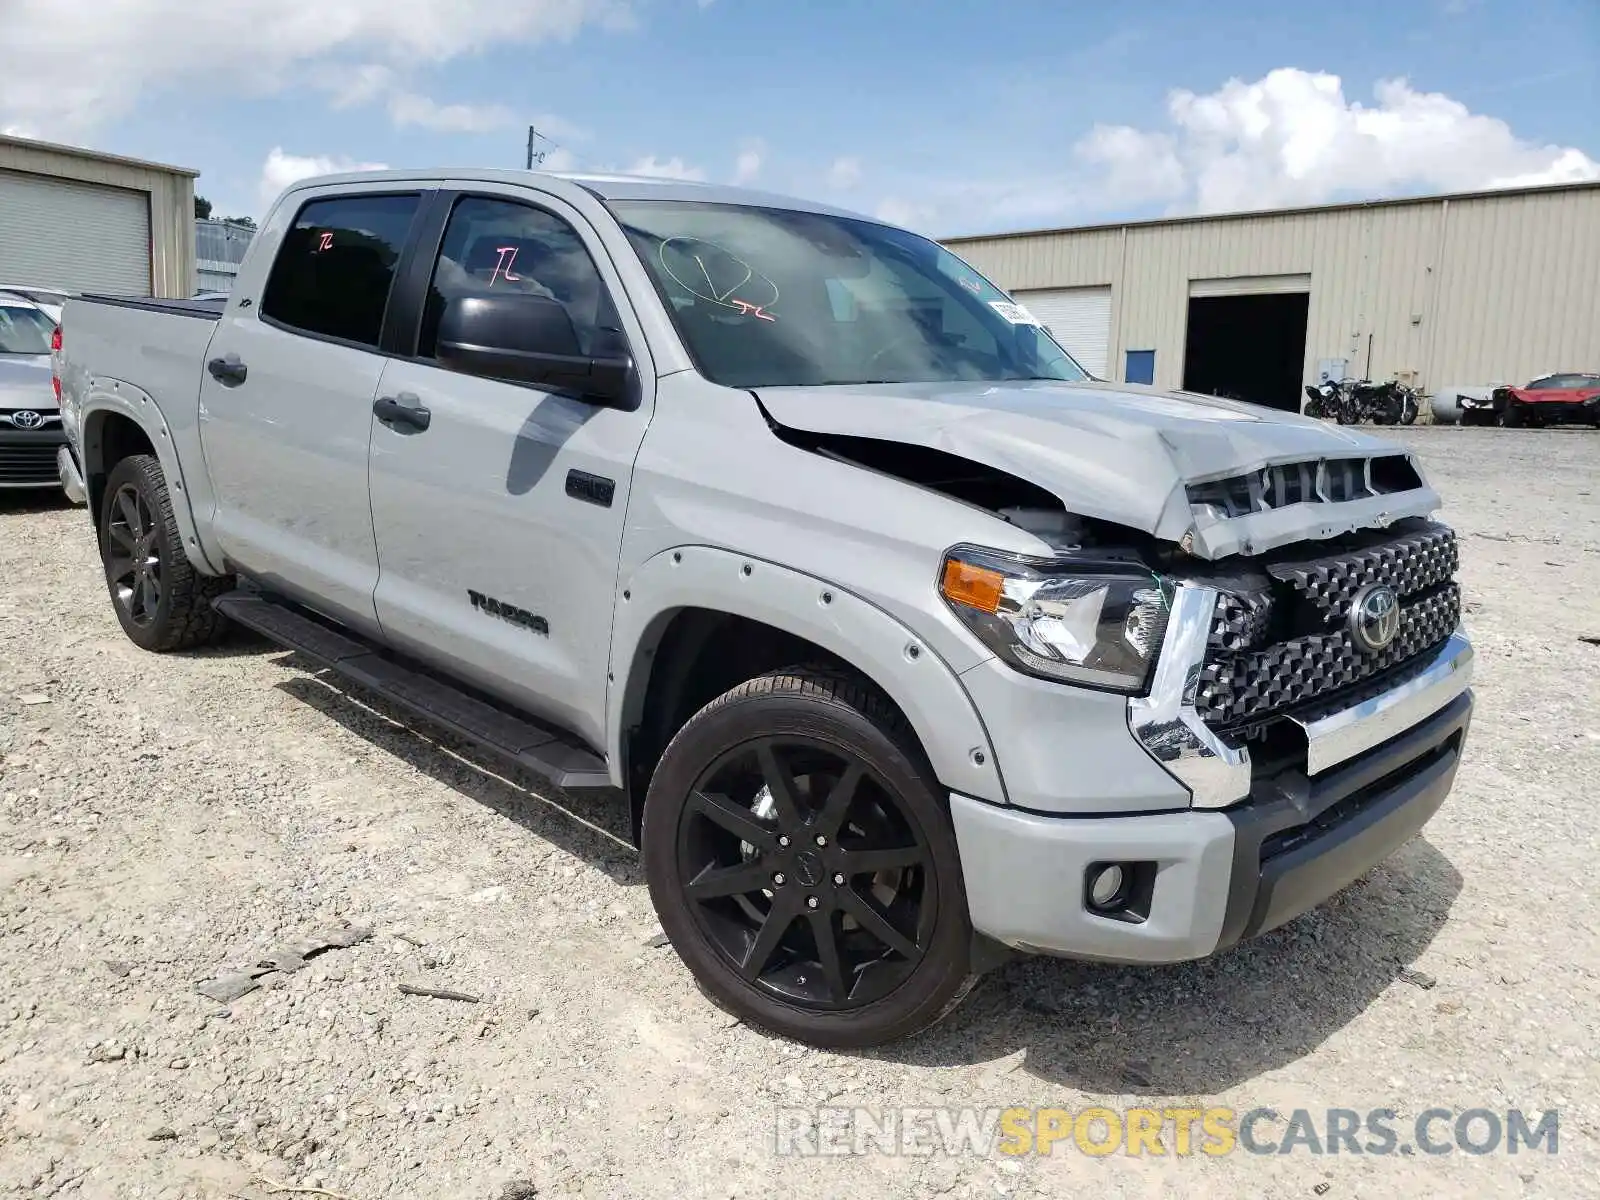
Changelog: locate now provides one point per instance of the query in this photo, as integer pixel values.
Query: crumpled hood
(25, 382)
(1119, 452)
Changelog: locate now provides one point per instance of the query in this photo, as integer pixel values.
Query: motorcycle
(1351, 401)
(1410, 403)
(1323, 399)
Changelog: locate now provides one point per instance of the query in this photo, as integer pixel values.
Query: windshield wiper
(854, 382)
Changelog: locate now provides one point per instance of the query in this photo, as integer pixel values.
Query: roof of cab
(606, 186)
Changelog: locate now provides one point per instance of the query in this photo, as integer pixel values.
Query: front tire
(802, 861)
(161, 601)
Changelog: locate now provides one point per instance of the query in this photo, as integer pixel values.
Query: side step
(514, 738)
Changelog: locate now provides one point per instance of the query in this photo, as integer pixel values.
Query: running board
(518, 740)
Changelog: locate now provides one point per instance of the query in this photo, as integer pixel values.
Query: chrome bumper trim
(1165, 722)
(1332, 739)
(71, 480)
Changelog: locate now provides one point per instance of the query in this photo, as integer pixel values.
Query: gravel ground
(165, 820)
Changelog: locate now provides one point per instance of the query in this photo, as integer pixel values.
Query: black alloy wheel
(161, 601)
(133, 556)
(801, 857)
(807, 873)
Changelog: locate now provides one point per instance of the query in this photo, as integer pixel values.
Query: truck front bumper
(1204, 880)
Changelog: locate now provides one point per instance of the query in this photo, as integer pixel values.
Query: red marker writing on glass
(502, 269)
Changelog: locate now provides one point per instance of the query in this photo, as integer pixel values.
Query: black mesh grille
(33, 462)
(1241, 620)
(1290, 646)
(1408, 564)
(1239, 688)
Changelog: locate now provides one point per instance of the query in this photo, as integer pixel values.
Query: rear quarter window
(336, 266)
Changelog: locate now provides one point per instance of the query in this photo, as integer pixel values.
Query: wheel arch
(697, 618)
(120, 420)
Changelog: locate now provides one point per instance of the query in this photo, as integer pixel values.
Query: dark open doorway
(1248, 347)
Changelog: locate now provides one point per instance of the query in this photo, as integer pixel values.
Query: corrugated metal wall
(171, 192)
(1496, 287)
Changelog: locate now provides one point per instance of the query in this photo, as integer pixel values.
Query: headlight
(1088, 623)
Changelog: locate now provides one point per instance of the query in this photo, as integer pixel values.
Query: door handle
(403, 409)
(228, 370)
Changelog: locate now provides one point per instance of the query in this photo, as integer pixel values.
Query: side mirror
(530, 339)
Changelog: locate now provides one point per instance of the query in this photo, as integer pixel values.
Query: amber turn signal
(977, 587)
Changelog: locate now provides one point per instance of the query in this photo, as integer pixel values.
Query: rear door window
(337, 264)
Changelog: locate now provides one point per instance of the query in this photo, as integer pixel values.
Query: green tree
(202, 207)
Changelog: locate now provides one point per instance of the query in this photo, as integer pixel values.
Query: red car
(1570, 399)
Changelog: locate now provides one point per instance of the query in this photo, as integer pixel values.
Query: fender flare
(904, 666)
(107, 396)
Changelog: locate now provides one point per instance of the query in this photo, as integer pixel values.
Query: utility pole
(534, 156)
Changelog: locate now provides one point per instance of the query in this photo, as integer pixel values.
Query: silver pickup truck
(909, 645)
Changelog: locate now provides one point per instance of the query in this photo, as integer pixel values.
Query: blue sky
(951, 116)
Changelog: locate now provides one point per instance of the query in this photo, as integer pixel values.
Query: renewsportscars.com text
(1096, 1131)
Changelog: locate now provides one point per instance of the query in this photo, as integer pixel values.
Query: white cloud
(903, 212)
(671, 168)
(1292, 138)
(748, 164)
(280, 170)
(409, 108)
(845, 172)
(100, 59)
(1138, 166)
(559, 159)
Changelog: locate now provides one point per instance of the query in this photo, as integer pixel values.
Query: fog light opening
(1108, 887)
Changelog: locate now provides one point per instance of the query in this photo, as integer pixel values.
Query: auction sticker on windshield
(1014, 313)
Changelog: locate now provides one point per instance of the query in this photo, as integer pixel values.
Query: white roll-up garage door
(1080, 319)
(81, 237)
(1250, 285)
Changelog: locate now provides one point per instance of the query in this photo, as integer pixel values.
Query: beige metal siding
(1520, 291)
(171, 198)
(1486, 287)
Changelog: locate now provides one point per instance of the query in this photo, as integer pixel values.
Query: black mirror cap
(531, 340)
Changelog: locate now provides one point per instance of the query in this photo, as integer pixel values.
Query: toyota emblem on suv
(27, 419)
(1375, 617)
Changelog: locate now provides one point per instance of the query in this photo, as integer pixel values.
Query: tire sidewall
(937, 981)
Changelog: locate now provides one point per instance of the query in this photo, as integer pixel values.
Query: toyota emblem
(27, 419)
(1375, 617)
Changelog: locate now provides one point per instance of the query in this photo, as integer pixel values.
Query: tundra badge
(509, 612)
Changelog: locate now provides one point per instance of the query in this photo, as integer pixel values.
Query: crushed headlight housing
(1095, 624)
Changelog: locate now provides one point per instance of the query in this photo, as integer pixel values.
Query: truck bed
(156, 346)
(209, 310)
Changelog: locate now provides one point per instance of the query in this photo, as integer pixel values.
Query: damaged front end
(1213, 477)
(1264, 592)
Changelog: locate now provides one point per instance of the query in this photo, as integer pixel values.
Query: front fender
(901, 664)
(106, 396)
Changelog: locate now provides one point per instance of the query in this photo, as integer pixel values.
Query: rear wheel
(162, 602)
(801, 858)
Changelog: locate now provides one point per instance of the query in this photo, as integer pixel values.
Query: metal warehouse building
(1437, 291)
(89, 222)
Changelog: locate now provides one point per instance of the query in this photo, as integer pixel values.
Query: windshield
(769, 297)
(24, 330)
